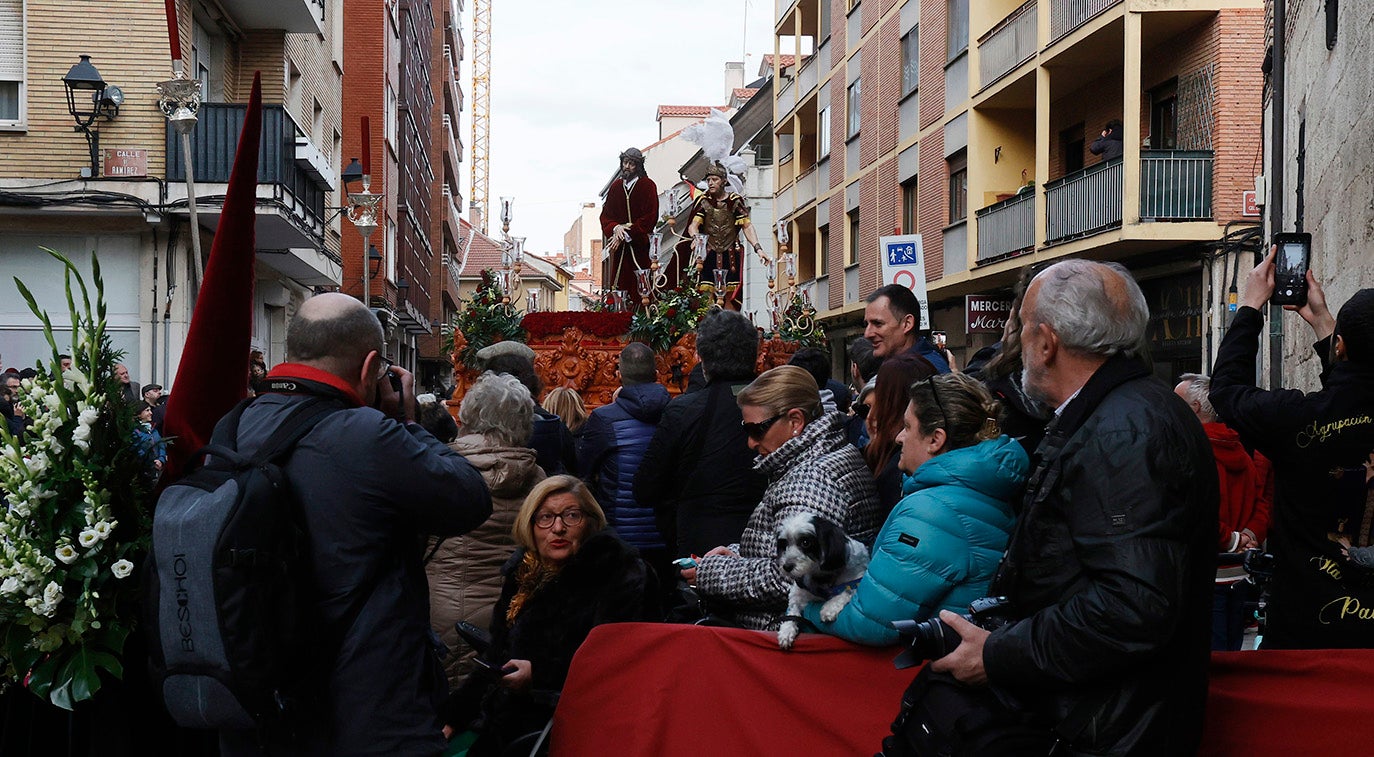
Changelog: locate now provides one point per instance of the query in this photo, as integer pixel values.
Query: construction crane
(481, 104)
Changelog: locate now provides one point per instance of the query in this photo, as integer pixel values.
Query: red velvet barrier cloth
(670, 690)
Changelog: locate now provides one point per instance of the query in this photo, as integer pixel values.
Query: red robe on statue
(639, 207)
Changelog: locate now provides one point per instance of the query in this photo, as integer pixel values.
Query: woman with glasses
(464, 572)
(811, 468)
(941, 545)
(568, 575)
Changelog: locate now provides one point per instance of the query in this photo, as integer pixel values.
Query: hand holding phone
(683, 563)
(501, 670)
(1293, 258)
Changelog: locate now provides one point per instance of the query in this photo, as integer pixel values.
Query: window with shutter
(11, 63)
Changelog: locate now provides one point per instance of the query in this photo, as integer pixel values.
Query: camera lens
(932, 639)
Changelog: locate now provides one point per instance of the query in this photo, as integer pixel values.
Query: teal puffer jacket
(940, 545)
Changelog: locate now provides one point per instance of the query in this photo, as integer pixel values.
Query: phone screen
(1292, 260)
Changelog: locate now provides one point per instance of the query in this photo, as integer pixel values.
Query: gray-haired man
(1110, 569)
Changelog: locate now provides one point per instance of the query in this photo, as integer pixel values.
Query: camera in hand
(932, 639)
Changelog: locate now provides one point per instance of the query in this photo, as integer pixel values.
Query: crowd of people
(1056, 471)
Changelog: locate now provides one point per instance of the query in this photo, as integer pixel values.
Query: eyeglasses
(944, 418)
(570, 518)
(757, 430)
(385, 369)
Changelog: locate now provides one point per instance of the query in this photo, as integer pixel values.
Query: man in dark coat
(1110, 144)
(628, 216)
(698, 473)
(1110, 568)
(610, 447)
(1321, 446)
(371, 482)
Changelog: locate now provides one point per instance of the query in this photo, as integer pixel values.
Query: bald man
(371, 482)
(1110, 570)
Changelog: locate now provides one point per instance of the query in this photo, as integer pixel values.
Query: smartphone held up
(1293, 258)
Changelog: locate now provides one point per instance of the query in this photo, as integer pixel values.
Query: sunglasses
(757, 430)
(934, 392)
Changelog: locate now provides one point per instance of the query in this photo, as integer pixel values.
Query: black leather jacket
(1111, 569)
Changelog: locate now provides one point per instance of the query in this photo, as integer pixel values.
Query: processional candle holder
(644, 279)
(699, 252)
(722, 278)
(532, 300)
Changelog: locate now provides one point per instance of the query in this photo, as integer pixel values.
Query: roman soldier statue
(721, 215)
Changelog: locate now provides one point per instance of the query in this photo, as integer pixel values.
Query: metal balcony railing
(1067, 15)
(1006, 228)
(1009, 44)
(1176, 185)
(215, 140)
(1083, 202)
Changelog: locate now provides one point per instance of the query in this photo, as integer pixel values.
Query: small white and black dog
(824, 563)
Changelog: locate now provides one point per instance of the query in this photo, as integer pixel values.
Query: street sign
(904, 263)
(126, 163)
(984, 314)
(1249, 203)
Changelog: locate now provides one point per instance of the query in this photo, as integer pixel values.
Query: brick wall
(932, 65)
(1239, 112)
(837, 126)
(932, 201)
(839, 240)
(128, 44)
(367, 36)
(889, 89)
(1072, 106)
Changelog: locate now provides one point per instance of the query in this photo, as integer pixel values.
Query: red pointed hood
(213, 374)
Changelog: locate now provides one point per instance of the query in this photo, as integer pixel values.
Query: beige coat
(465, 573)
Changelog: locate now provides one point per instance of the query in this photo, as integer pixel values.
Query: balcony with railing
(1068, 15)
(1084, 202)
(301, 16)
(1006, 228)
(1175, 185)
(807, 76)
(806, 187)
(453, 30)
(453, 154)
(291, 189)
(453, 95)
(1007, 45)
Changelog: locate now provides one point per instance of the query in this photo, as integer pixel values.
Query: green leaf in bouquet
(43, 676)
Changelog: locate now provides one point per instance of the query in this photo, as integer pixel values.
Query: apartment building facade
(970, 124)
(130, 207)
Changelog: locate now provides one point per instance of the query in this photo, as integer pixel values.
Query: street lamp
(105, 101)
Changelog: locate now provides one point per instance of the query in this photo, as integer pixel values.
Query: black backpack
(230, 598)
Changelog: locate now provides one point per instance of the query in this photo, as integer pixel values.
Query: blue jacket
(610, 447)
(552, 442)
(940, 546)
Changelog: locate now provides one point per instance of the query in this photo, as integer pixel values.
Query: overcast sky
(574, 83)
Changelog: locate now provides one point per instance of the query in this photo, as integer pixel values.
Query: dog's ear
(833, 543)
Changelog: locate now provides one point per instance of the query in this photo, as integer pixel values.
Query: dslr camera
(932, 639)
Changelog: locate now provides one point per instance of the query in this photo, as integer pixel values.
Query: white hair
(498, 406)
(1196, 387)
(1078, 301)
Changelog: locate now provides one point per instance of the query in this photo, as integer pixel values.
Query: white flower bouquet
(73, 520)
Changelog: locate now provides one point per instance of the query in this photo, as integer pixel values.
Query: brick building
(132, 209)
(969, 123)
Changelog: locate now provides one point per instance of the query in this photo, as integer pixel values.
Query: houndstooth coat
(817, 472)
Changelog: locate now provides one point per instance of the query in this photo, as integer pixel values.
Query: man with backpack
(363, 678)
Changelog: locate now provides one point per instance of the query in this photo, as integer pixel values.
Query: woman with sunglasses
(568, 576)
(941, 545)
(812, 469)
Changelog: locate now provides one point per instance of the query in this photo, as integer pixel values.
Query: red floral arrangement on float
(591, 323)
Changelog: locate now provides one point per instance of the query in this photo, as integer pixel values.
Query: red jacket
(1247, 487)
